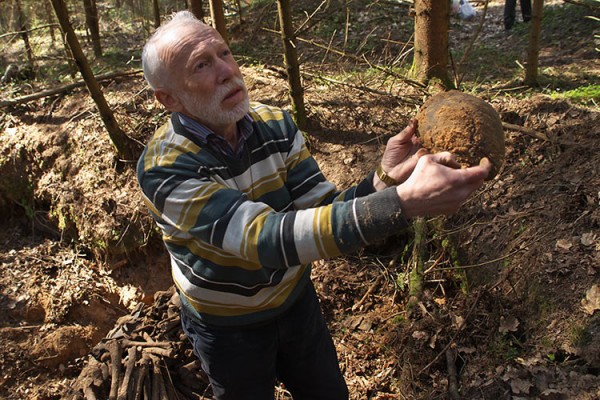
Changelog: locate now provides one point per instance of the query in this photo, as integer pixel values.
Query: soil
(509, 308)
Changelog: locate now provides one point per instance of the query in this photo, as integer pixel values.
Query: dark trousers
(296, 348)
(510, 12)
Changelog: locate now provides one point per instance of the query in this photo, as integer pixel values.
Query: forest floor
(511, 312)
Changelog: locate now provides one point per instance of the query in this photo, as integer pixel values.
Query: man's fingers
(447, 159)
(485, 163)
(481, 171)
(407, 133)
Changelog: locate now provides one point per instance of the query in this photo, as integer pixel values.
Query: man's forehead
(187, 38)
(197, 30)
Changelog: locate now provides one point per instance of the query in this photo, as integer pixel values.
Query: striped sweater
(242, 231)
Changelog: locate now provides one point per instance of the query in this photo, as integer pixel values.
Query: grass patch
(486, 63)
(586, 95)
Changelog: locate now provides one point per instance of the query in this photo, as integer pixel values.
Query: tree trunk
(239, 9)
(49, 20)
(531, 70)
(156, 10)
(91, 22)
(218, 18)
(432, 19)
(123, 144)
(195, 7)
(419, 256)
(22, 28)
(291, 62)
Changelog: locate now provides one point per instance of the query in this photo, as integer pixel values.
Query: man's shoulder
(265, 113)
(274, 119)
(166, 146)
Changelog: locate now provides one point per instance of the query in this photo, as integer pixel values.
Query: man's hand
(401, 155)
(438, 186)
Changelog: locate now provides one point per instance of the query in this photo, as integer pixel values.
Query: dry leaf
(588, 239)
(458, 321)
(508, 324)
(420, 335)
(563, 244)
(440, 300)
(520, 386)
(466, 350)
(591, 302)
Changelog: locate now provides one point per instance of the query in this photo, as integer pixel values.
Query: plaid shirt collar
(208, 137)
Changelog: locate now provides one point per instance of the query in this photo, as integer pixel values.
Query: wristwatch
(385, 178)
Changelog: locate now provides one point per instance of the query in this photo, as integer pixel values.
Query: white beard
(209, 110)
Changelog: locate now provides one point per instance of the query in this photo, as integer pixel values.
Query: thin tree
(156, 11)
(430, 64)
(217, 15)
(22, 28)
(432, 20)
(531, 70)
(91, 22)
(195, 7)
(291, 62)
(238, 4)
(49, 20)
(123, 144)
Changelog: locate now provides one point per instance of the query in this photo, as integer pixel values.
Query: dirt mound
(65, 344)
(465, 125)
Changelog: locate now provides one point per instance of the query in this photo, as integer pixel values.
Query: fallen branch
(530, 132)
(62, 89)
(356, 58)
(114, 348)
(159, 352)
(89, 393)
(130, 366)
(139, 380)
(28, 30)
(141, 358)
(405, 99)
(452, 375)
(366, 295)
(591, 4)
(135, 343)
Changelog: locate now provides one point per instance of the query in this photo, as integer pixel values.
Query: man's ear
(170, 102)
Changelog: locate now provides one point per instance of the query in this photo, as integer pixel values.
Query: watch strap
(385, 178)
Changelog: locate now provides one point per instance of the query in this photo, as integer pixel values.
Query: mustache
(224, 90)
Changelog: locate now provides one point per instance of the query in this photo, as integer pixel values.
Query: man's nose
(225, 70)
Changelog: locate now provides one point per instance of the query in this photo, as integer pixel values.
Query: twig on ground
(375, 284)
(458, 331)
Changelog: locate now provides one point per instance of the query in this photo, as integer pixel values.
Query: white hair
(153, 64)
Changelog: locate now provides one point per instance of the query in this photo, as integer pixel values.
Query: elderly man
(244, 210)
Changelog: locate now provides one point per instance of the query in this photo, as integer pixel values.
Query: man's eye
(226, 52)
(201, 65)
